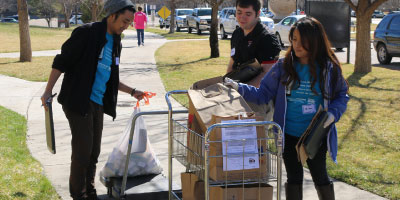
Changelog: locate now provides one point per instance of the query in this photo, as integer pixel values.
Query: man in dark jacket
(90, 61)
(252, 40)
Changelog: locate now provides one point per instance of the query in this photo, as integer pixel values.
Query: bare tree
(214, 27)
(364, 10)
(44, 8)
(25, 54)
(7, 5)
(95, 6)
(67, 7)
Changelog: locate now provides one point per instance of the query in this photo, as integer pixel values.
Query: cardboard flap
(206, 82)
(211, 91)
(217, 100)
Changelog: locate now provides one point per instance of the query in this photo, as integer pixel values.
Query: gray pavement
(138, 69)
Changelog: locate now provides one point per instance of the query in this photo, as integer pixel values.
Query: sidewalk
(138, 70)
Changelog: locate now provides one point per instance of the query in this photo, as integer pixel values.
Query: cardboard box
(206, 98)
(206, 82)
(256, 191)
(218, 100)
(193, 189)
(217, 172)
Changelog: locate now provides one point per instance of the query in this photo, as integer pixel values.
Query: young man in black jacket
(252, 40)
(90, 61)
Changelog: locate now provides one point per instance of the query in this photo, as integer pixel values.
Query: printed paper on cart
(242, 152)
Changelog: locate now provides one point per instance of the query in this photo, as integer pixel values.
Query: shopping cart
(192, 150)
(139, 187)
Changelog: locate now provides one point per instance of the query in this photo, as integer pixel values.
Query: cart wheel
(109, 192)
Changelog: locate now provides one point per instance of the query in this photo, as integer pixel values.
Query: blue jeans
(140, 36)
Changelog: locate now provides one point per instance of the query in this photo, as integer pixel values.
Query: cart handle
(173, 92)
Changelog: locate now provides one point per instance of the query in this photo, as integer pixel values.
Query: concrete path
(138, 69)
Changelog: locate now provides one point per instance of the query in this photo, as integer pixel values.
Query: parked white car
(228, 23)
(72, 19)
(181, 18)
(282, 28)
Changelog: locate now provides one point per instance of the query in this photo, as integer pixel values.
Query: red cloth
(140, 20)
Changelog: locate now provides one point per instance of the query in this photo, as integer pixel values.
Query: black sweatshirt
(78, 61)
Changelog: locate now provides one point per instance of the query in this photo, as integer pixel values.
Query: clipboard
(50, 138)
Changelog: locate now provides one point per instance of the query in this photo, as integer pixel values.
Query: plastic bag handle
(146, 97)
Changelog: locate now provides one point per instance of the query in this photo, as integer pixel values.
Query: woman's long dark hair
(315, 41)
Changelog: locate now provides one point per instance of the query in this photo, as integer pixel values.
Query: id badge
(116, 60)
(309, 109)
(233, 52)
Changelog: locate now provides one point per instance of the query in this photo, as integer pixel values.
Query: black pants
(86, 141)
(294, 168)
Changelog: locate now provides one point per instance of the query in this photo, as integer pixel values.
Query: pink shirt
(140, 19)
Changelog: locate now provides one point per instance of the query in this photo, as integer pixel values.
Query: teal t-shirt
(302, 103)
(103, 72)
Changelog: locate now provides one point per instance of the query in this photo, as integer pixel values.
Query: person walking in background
(90, 61)
(252, 40)
(140, 24)
(307, 77)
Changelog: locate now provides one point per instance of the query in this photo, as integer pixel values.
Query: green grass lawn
(176, 35)
(37, 70)
(369, 140)
(21, 176)
(42, 38)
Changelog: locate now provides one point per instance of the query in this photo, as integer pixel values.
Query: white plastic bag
(142, 159)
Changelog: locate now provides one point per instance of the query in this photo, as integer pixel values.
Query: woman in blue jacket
(309, 76)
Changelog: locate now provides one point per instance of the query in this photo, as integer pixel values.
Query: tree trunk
(214, 31)
(67, 25)
(363, 44)
(94, 11)
(48, 20)
(364, 10)
(172, 21)
(24, 37)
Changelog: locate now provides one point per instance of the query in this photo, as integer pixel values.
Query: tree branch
(376, 4)
(351, 4)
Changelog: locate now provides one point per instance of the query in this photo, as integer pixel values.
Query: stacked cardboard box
(208, 106)
(217, 172)
(193, 189)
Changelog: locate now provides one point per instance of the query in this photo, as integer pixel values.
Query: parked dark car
(9, 20)
(387, 38)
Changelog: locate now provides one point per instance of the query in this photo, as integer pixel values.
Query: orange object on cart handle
(146, 97)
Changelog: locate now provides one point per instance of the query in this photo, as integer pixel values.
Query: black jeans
(294, 168)
(86, 141)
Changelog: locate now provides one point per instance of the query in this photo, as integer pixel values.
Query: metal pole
(348, 45)
(170, 132)
(279, 164)
(170, 154)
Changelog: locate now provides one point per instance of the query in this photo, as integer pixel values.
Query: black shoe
(92, 195)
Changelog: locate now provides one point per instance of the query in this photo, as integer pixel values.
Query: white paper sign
(245, 143)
